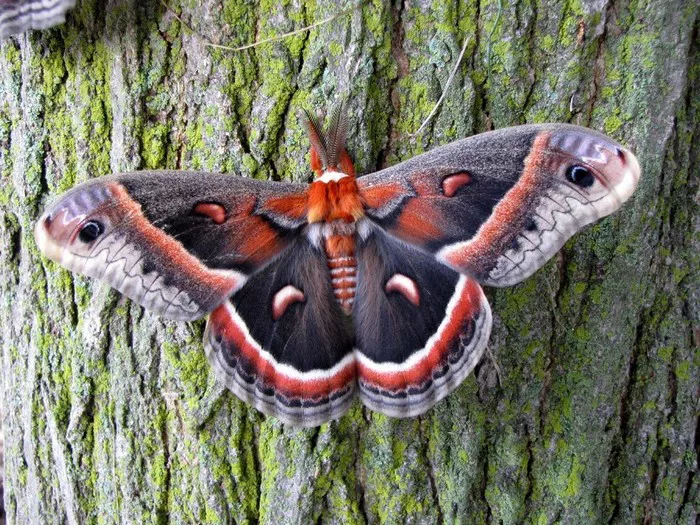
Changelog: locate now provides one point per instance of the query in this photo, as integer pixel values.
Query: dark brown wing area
(177, 243)
(498, 205)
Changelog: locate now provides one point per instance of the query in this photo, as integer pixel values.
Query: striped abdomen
(340, 253)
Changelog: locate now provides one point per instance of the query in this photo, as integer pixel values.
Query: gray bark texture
(586, 410)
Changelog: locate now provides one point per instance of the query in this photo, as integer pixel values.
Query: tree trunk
(586, 410)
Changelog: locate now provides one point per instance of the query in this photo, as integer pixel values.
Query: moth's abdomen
(342, 265)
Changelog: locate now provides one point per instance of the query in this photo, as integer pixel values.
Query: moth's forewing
(177, 243)
(498, 205)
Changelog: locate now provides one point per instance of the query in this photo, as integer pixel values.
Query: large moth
(367, 285)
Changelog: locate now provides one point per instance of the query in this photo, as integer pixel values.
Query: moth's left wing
(177, 243)
(17, 16)
(282, 343)
(498, 205)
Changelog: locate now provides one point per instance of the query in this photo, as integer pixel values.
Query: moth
(17, 16)
(348, 285)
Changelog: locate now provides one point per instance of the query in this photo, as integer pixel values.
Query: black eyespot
(91, 231)
(580, 176)
(531, 226)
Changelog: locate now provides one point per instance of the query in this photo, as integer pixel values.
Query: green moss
(153, 145)
(573, 484)
(579, 288)
(666, 354)
(612, 124)
(683, 370)
(193, 370)
(649, 405)
(568, 29)
(335, 49)
(269, 466)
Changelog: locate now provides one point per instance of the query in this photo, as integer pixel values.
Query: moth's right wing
(420, 327)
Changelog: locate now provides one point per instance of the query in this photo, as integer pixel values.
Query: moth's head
(593, 165)
(328, 154)
(71, 228)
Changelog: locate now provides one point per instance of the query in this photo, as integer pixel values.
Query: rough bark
(112, 415)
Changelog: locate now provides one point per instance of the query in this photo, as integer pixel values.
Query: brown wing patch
(375, 197)
(293, 206)
(419, 221)
(256, 240)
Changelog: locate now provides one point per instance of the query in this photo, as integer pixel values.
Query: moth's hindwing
(177, 243)
(17, 16)
(498, 205)
(282, 342)
(420, 326)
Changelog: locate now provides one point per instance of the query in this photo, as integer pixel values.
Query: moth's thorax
(334, 196)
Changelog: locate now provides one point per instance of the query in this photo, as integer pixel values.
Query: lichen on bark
(111, 415)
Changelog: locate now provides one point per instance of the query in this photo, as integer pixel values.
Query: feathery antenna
(329, 143)
(317, 137)
(336, 134)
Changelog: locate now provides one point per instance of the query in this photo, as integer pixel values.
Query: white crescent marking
(284, 298)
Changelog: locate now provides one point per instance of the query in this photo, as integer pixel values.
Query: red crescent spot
(216, 212)
(454, 182)
(284, 298)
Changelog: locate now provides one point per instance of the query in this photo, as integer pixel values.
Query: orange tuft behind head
(316, 162)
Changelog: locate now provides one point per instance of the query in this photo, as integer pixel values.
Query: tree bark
(586, 410)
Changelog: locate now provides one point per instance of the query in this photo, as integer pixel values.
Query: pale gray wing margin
(18, 16)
